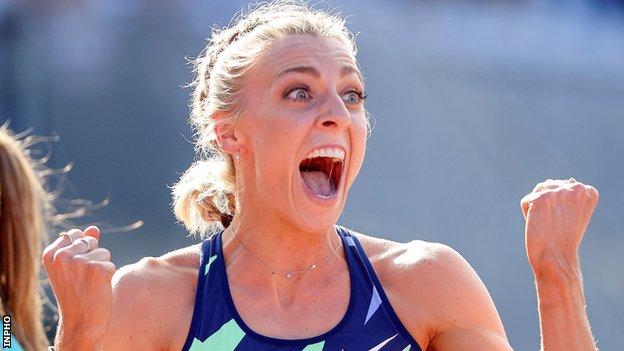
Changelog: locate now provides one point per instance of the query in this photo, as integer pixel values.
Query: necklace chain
(289, 274)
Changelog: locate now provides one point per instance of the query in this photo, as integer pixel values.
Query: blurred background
(474, 102)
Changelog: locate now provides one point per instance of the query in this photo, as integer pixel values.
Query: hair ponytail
(204, 198)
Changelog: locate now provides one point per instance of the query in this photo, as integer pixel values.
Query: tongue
(317, 182)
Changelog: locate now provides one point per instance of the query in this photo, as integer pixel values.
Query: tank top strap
(207, 256)
(365, 273)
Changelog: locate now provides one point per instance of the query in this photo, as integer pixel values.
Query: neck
(278, 244)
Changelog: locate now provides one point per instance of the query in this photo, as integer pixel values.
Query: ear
(227, 135)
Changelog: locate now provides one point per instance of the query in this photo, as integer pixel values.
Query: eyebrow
(313, 72)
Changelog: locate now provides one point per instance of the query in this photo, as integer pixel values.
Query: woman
(278, 107)
(23, 203)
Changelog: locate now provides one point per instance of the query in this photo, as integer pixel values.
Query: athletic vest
(369, 324)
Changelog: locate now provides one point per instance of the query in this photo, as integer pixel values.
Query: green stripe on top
(315, 347)
(224, 339)
(210, 260)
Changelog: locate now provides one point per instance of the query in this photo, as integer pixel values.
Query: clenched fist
(557, 213)
(80, 273)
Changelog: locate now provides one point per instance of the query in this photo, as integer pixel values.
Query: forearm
(561, 303)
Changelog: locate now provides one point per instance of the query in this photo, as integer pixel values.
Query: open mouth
(321, 171)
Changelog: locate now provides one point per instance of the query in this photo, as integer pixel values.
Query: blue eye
(299, 93)
(354, 97)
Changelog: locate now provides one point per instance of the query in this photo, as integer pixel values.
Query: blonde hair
(23, 205)
(205, 197)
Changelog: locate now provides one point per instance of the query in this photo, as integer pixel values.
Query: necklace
(289, 274)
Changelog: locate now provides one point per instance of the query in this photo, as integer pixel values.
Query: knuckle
(75, 233)
(47, 256)
(62, 256)
(46, 261)
(595, 192)
(100, 270)
(92, 241)
(106, 253)
(547, 195)
(78, 259)
(111, 267)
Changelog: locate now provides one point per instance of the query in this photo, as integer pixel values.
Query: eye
(298, 93)
(354, 97)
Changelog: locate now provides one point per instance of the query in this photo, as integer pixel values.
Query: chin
(316, 224)
(319, 216)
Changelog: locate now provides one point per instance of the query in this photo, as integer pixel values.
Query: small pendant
(288, 275)
(312, 267)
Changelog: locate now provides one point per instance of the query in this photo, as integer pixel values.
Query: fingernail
(92, 228)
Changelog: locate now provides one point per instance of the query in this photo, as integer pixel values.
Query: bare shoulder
(153, 301)
(423, 260)
(432, 288)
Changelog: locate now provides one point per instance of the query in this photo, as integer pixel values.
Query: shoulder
(425, 261)
(431, 287)
(151, 298)
(139, 279)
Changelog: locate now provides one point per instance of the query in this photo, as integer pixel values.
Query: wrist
(559, 285)
(556, 270)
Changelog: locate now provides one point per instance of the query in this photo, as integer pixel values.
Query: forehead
(306, 50)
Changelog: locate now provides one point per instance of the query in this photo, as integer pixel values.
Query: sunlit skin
(289, 112)
(436, 294)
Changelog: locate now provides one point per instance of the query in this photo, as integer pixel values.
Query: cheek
(275, 150)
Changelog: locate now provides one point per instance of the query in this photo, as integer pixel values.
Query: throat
(306, 306)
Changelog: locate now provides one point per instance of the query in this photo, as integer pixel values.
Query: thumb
(92, 231)
(525, 203)
(524, 206)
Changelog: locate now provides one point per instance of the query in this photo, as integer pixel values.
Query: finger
(548, 184)
(524, 206)
(99, 254)
(78, 247)
(62, 241)
(109, 266)
(593, 192)
(92, 231)
(526, 201)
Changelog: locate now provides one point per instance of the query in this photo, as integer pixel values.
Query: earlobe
(227, 138)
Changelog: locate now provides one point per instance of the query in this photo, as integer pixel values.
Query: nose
(335, 114)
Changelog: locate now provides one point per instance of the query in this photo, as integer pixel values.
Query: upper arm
(465, 315)
(133, 314)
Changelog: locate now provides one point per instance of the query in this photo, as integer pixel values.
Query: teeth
(334, 152)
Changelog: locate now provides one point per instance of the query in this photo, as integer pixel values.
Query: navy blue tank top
(370, 323)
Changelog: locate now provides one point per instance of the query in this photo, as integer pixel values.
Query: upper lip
(337, 146)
